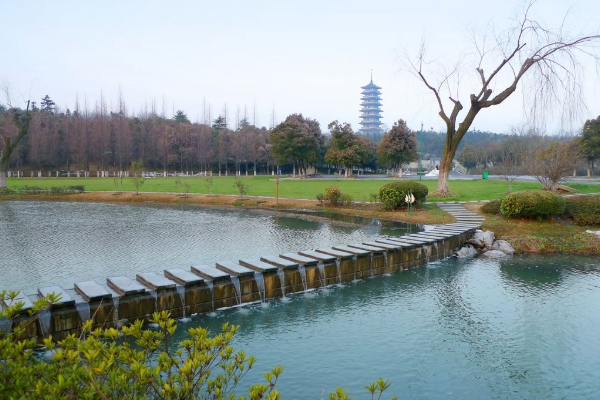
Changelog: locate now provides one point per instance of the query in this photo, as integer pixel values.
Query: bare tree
(137, 174)
(553, 162)
(512, 154)
(22, 120)
(549, 59)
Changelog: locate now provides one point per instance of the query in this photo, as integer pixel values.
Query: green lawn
(359, 189)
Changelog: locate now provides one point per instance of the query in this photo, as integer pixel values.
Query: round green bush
(532, 204)
(392, 195)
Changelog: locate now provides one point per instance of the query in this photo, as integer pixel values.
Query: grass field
(359, 189)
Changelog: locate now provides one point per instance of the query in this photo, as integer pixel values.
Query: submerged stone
(495, 254)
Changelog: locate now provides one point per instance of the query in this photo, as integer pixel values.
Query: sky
(264, 57)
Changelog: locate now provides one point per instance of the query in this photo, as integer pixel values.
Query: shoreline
(366, 210)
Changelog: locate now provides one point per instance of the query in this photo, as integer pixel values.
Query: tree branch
(437, 96)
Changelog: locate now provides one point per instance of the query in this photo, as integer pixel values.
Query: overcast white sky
(307, 56)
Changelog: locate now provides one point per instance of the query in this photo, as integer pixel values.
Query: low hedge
(6, 191)
(392, 195)
(585, 210)
(54, 190)
(537, 204)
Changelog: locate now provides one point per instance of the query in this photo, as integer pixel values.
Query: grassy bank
(550, 236)
(359, 189)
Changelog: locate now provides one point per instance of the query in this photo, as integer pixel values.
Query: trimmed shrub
(335, 197)
(532, 204)
(585, 210)
(392, 195)
(492, 207)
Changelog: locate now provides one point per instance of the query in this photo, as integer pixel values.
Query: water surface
(527, 327)
(44, 243)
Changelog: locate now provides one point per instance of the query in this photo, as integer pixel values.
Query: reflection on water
(62, 243)
(526, 327)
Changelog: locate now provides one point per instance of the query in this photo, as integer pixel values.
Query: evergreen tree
(344, 148)
(398, 146)
(298, 140)
(590, 142)
(180, 117)
(47, 104)
(219, 123)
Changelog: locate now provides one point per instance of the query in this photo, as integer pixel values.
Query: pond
(46, 243)
(525, 327)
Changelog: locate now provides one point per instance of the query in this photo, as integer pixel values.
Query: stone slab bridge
(203, 288)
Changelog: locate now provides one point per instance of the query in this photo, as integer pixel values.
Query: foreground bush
(101, 365)
(393, 194)
(585, 210)
(532, 204)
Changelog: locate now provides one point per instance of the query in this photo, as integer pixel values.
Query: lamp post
(420, 154)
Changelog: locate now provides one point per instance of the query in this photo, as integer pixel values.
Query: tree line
(87, 141)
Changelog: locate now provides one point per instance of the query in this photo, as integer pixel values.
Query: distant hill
(433, 142)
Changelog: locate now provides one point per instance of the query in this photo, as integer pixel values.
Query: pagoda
(370, 112)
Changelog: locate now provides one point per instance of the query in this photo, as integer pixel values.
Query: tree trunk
(2, 179)
(444, 174)
(445, 166)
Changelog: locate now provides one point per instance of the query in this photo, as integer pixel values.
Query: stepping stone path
(462, 215)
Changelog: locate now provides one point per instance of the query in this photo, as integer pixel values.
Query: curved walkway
(463, 216)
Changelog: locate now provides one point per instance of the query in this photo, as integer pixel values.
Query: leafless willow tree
(549, 64)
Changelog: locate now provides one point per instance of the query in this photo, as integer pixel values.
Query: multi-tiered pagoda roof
(370, 111)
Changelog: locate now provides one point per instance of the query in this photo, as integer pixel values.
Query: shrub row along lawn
(358, 189)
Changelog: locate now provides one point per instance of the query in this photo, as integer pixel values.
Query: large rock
(503, 246)
(486, 237)
(466, 251)
(478, 244)
(495, 254)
